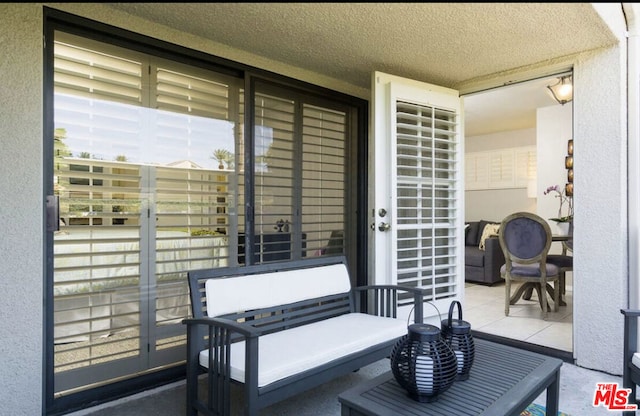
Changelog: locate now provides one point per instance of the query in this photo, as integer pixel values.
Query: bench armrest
(630, 312)
(227, 324)
(630, 333)
(216, 335)
(385, 299)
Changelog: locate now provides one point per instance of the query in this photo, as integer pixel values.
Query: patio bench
(282, 328)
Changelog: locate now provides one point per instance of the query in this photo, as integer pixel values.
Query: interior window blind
(141, 198)
(87, 73)
(274, 177)
(501, 168)
(323, 179)
(182, 93)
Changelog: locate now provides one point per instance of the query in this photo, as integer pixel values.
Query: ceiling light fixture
(562, 91)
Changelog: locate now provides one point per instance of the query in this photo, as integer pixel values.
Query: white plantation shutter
(323, 178)
(526, 165)
(91, 74)
(426, 199)
(182, 93)
(299, 178)
(476, 171)
(274, 177)
(132, 222)
(144, 199)
(501, 169)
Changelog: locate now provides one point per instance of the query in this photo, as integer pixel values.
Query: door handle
(53, 213)
(383, 226)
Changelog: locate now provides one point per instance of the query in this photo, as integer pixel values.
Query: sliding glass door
(155, 175)
(146, 174)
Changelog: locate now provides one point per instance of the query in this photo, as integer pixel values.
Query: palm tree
(222, 156)
(60, 147)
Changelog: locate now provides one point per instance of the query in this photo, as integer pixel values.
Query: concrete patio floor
(577, 387)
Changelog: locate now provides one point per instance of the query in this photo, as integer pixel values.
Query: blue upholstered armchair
(564, 261)
(525, 239)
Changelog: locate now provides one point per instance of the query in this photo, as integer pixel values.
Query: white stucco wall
(21, 210)
(600, 220)
(632, 14)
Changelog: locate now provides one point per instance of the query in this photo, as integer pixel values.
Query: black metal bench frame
(217, 334)
(630, 373)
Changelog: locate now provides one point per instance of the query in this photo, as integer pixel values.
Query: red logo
(612, 397)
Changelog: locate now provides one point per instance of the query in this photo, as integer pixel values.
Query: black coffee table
(503, 381)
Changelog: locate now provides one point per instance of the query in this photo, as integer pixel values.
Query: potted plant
(565, 217)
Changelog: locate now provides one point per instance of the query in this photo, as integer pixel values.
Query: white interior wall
(500, 140)
(495, 204)
(554, 129)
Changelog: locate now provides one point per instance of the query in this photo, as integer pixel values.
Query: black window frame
(356, 176)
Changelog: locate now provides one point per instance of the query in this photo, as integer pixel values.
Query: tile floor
(484, 310)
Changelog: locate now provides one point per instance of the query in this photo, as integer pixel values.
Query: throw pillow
(489, 230)
(481, 225)
(471, 234)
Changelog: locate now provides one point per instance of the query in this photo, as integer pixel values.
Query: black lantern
(422, 363)
(457, 334)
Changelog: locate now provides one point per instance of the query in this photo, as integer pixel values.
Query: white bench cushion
(286, 353)
(277, 288)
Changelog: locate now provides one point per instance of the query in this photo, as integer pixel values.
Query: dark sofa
(482, 266)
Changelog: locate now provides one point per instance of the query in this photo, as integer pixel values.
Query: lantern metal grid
(457, 334)
(422, 363)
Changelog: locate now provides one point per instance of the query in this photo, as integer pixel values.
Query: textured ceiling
(446, 44)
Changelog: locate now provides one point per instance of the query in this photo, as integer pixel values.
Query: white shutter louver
(182, 93)
(323, 178)
(426, 198)
(90, 74)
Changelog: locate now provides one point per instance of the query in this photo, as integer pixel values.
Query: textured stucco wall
(21, 210)
(600, 220)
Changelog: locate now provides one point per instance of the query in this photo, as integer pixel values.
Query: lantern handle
(454, 303)
(434, 306)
